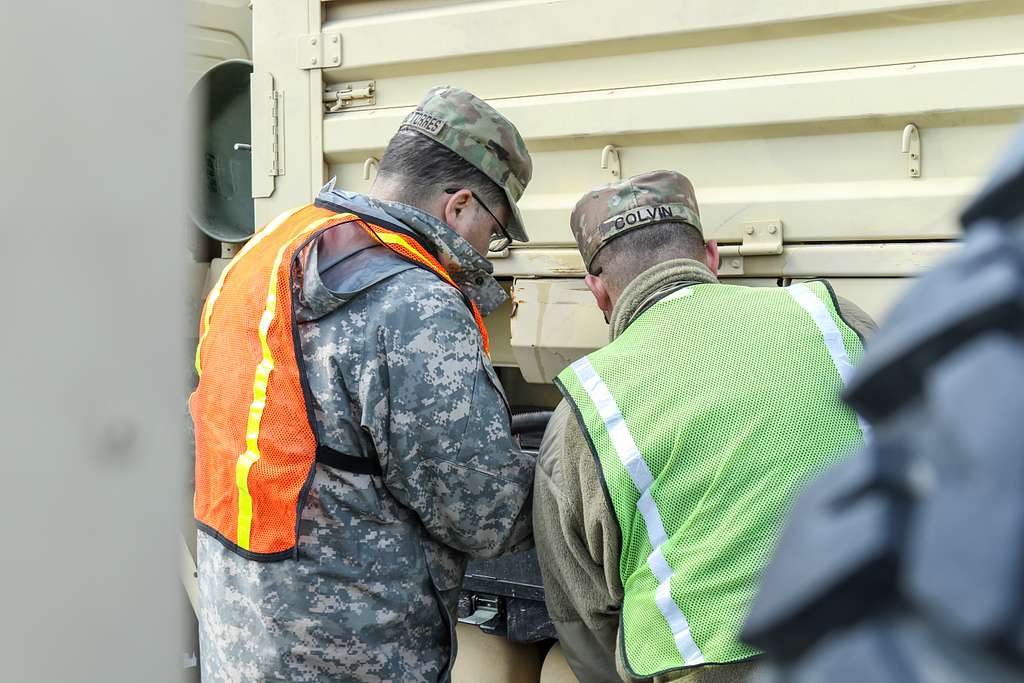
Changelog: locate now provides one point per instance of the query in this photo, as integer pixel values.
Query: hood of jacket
(471, 271)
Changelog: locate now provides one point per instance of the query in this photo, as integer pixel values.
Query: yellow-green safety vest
(705, 415)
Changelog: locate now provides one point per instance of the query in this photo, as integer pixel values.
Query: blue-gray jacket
(397, 372)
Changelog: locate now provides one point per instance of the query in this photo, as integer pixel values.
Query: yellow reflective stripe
(215, 292)
(388, 238)
(259, 389)
(391, 239)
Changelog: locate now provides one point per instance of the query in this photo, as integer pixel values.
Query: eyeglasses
(499, 239)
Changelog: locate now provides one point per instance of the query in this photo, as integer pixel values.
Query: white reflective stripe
(618, 431)
(652, 518)
(680, 628)
(822, 317)
(678, 294)
(634, 463)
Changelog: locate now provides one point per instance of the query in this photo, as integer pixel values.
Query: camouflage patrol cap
(612, 210)
(475, 131)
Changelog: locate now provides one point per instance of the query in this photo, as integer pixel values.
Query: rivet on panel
(312, 41)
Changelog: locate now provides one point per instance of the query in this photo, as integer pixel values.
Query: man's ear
(600, 292)
(712, 259)
(457, 203)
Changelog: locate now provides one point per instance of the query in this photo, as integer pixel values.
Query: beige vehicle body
(219, 30)
(834, 138)
(788, 116)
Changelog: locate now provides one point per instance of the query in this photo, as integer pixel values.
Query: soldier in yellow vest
(666, 472)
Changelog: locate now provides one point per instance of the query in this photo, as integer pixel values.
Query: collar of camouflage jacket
(470, 270)
(653, 284)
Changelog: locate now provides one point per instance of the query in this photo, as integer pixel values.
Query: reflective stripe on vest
(251, 501)
(413, 251)
(214, 294)
(633, 462)
(259, 384)
(705, 416)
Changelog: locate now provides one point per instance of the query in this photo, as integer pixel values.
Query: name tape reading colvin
(645, 214)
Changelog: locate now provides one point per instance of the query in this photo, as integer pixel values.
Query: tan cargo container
(834, 138)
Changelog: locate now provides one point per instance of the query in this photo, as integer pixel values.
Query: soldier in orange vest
(352, 438)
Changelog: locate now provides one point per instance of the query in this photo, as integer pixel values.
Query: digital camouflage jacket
(396, 371)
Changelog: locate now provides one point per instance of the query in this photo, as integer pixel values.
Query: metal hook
(905, 141)
(372, 161)
(610, 160)
(910, 143)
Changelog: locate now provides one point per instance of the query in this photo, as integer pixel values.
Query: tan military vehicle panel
(775, 111)
(217, 30)
(502, 660)
(834, 139)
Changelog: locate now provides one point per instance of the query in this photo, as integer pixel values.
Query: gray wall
(91, 265)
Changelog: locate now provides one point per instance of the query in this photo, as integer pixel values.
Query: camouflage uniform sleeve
(446, 447)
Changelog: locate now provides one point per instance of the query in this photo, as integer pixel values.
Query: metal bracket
(760, 238)
(347, 95)
(189, 574)
(485, 608)
(318, 51)
(910, 144)
(610, 161)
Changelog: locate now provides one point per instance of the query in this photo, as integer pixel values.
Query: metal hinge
(760, 238)
(318, 51)
(276, 107)
(267, 134)
(348, 95)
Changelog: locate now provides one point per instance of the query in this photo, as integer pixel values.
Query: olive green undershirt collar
(651, 284)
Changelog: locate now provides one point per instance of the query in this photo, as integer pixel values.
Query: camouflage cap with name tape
(612, 210)
(475, 131)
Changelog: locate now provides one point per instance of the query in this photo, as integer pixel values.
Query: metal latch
(346, 95)
(485, 608)
(318, 51)
(760, 238)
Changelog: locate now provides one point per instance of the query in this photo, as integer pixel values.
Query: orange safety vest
(256, 449)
